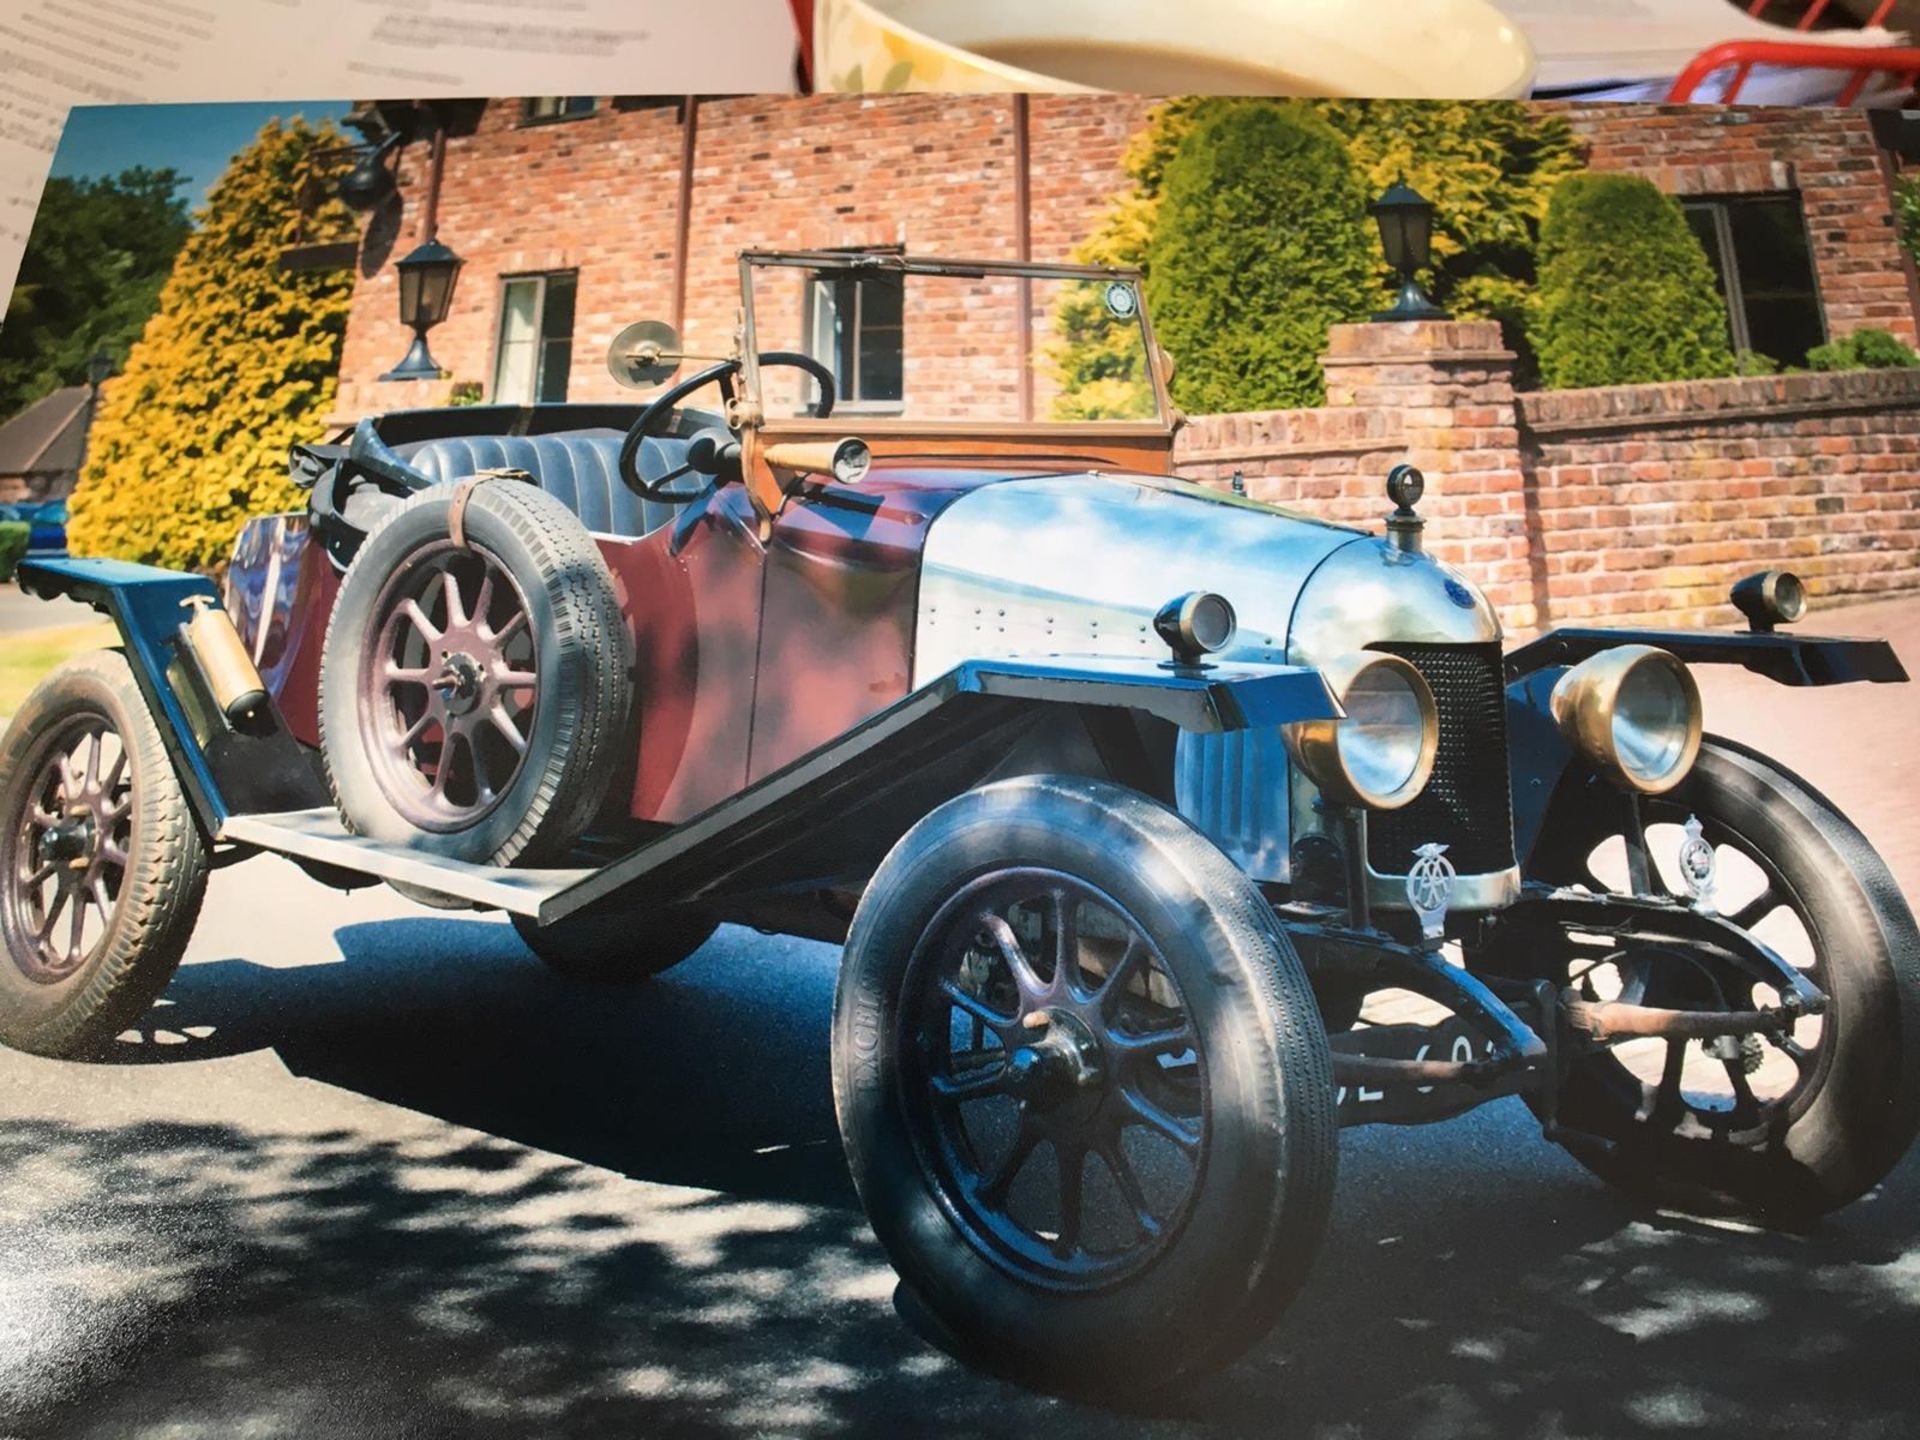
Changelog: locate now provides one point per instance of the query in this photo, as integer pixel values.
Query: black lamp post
(426, 293)
(1405, 218)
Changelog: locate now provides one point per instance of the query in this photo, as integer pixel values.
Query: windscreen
(947, 348)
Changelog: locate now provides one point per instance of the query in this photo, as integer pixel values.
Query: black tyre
(1784, 1127)
(616, 945)
(474, 698)
(102, 866)
(1083, 1087)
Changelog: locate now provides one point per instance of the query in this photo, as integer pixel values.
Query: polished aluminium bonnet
(1079, 564)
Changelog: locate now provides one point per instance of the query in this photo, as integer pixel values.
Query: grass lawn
(27, 656)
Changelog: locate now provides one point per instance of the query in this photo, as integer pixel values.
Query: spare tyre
(475, 686)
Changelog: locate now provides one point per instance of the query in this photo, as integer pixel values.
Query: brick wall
(1631, 503)
(1828, 156)
(1651, 499)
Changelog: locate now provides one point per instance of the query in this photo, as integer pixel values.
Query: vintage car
(1166, 832)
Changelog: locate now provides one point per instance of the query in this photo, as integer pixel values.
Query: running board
(318, 835)
(834, 812)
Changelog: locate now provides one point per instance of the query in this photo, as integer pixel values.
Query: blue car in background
(48, 519)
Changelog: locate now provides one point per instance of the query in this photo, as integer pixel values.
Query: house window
(559, 107)
(536, 338)
(854, 329)
(1758, 246)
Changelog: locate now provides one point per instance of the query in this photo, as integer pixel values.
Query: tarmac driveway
(368, 1170)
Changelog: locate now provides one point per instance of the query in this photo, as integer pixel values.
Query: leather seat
(580, 469)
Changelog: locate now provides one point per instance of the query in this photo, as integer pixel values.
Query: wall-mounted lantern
(1405, 218)
(426, 294)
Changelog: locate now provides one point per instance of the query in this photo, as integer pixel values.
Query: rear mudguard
(1541, 755)
(225, 769)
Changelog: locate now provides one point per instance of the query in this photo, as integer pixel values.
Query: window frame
(810, 318)
(540, 279)
(1719, 208)
(563, 115)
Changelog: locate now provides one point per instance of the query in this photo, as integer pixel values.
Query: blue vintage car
(48, 521)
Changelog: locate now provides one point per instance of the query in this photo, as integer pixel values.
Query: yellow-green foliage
(239, 362)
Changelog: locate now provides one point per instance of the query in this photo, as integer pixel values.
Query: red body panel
(747, 655)
(299, 689)
(837, 625)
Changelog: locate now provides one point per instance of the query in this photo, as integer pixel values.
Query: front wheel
(102, 868)
(1083, 1086)
(1785, 1125)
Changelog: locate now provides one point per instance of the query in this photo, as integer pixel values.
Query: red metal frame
(1865, 61)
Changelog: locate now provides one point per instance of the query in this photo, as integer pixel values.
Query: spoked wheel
(1083, 1087)
(1052, 1052)
(474, 696)
(101, 866)
(69, 855)
(451, 684)
(1790, 1122)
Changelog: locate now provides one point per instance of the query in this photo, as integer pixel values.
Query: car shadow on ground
(1475, 1283)
(713, 1075)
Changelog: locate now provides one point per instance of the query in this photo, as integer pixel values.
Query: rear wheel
(1788, 1125)
(1083, 1087)
(616, 945)
(102, 868)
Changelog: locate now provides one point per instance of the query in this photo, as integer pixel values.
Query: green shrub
(1867, 349)
(1488, 167)
(1906, 213)
(1626, 293)
(240, 360)
(13, 544)
(1257, 248)
(1753, 362)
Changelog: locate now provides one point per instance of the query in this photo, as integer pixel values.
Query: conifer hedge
(1257, 247)
(239, 362)
(1626, 293)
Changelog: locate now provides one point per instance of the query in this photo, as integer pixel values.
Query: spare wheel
(475, 686)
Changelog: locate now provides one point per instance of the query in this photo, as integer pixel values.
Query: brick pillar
(1451, 384)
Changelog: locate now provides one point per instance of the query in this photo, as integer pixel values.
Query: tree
(239, 362)
(89, 279)
(1256, 249)
(1626, 293)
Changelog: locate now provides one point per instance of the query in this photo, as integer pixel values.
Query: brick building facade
(570, 227)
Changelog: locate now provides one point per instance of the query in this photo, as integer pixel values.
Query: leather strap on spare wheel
(462, 492)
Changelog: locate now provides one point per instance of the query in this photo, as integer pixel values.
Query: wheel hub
(1062, 1062)
(70, 842)
(461, 682)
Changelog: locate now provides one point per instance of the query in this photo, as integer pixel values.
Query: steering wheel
(705, 457)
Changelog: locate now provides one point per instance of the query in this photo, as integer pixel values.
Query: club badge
(1430, 889)
(1698, 865)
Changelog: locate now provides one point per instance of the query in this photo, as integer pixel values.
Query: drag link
(1615, 1019)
